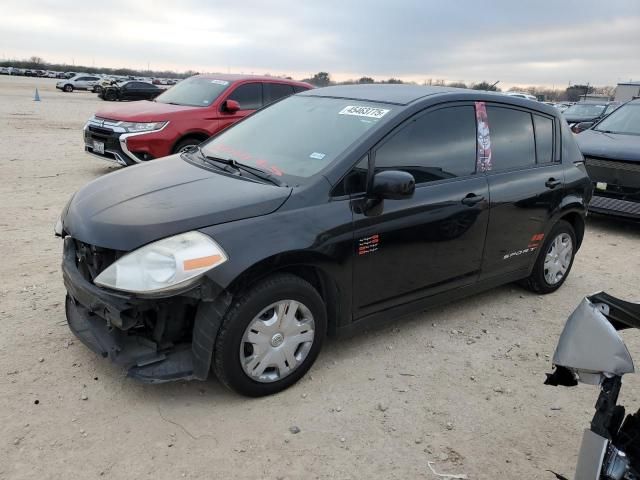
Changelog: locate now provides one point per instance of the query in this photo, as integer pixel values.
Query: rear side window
(298, 89)
(512, 140)
(544, 138)
(275, 91)
(249, 96)
(435, 146)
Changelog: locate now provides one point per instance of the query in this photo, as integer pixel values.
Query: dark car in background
(612, 156)
(320, 214)
(583, 115)
(181, 117)
(132, 90)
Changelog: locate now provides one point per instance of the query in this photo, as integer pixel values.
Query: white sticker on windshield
(317, 155)
(359, 111)
(220, 82)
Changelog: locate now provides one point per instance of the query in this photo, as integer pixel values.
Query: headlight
(142, 126)
(164, 265)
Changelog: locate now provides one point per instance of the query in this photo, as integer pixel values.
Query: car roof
(235, 77)
(382, 93)
(404, 95)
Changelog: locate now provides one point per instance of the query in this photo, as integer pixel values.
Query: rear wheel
(555, 259)
(68, 88)
(271, 336)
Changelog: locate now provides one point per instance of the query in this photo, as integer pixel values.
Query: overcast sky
(516, 42)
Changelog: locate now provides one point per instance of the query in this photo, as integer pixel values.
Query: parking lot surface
(461, 386)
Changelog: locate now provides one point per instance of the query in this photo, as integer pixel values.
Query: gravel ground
(460, 386)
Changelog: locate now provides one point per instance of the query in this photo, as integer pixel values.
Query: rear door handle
(471, 199)
(552, 183)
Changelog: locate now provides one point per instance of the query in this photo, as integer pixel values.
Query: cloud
(516, 42)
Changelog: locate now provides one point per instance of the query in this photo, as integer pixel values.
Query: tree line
(572, 93)
(321, 79)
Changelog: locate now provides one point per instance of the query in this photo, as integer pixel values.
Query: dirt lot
(460, 386)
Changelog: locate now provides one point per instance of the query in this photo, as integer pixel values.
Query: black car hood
(609, 145)
(137, 205)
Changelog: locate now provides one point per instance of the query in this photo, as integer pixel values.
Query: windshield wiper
(237, 166)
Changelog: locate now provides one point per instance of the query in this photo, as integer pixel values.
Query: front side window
(435, 146)
(512, 140)
(249, 96)
(276, 91)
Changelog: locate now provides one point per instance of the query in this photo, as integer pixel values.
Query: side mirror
(393, 185)
(231, 106)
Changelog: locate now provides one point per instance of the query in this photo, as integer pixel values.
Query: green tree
(457, 85)
(320, 79)
(366, 80)
(485, 86)
(573, 92)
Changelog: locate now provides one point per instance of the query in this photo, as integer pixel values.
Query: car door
(525, 184)
(248, 96)
(434, 241)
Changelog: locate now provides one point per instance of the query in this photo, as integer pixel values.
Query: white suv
(79, 82)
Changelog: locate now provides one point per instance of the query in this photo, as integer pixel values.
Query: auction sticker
(360, 111)
(220, 82)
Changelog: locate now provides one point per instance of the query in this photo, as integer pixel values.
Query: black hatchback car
(318, 215)
(612, 156)
(132, 90)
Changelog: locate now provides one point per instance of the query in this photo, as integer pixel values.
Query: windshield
(194, 92)
(584, 110)
(299, 136)
(625, 120)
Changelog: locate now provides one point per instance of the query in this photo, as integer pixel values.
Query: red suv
(185, 115)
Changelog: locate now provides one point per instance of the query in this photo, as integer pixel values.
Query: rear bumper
(106, 323)
(614, 206)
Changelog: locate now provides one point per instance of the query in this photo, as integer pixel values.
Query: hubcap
(558, 259)
(277, 341)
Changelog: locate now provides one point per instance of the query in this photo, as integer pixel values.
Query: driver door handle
(552, 183)
(471, 199)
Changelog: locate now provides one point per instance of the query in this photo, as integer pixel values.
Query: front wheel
(271, 336)
(68, 88)
(555, 259)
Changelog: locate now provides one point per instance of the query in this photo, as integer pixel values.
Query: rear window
(544, 138)
(512, 140)
(276, 91)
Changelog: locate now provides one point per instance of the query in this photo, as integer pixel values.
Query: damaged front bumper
(154, 339)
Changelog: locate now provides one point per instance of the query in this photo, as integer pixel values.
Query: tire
(110, 96)
(68, 88)
(184, 144)
(97, 89)
(539, 281)
(232, 361)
